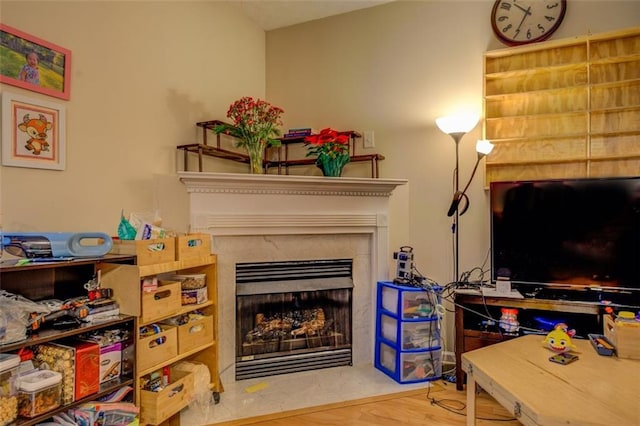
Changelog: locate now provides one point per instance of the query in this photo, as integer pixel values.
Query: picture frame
(24, 122)
(34, 64)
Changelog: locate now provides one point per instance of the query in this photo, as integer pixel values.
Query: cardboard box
(110, 361)
(193, 245)
(87, 378)
(625, 336)
(147, 252)
(194, 297)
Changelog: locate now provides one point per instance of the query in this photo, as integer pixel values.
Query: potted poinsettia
(331, 149)
(255, 125)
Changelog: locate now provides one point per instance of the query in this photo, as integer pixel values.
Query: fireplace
(274, 218)
(292, 316)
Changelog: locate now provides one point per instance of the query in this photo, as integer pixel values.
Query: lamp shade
(457, 123)
(484, 147)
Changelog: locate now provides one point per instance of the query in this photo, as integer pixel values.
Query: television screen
(568, 233)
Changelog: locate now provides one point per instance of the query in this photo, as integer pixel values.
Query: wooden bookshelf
(564, 109)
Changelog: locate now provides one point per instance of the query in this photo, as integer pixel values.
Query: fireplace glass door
(292, 316)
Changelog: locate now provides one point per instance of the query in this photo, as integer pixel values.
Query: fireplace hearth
(293, 316)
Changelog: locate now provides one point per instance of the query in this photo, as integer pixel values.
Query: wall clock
(517, 22)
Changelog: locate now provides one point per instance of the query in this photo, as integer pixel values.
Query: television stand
(471, 309)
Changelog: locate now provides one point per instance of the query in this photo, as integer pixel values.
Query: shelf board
(614, 84)
(545, 115)
(556, 91)
(105, 389)
(48, 335)
(499, 140)
(537, 162)
(615, 59)
(615, 134)
(160, 268)
(185, 309)
(10, 265)
(176, 359)
(531, 72)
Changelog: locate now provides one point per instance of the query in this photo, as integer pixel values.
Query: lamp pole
(457, 136)
(457, 127)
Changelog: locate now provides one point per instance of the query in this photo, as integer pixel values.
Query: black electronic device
(563, 358)
(404, 265)
(567, 235)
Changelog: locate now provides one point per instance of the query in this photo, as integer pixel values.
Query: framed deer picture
(33, 133)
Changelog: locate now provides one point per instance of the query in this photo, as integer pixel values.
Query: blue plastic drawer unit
(408, 334)
(405, 302)
(408, 347)
(409, 367)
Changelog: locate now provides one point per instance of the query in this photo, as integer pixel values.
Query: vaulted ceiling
(271, 15)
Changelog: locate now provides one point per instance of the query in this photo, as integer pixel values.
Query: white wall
(143, 73)
(393, 69)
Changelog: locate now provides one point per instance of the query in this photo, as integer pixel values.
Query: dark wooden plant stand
(280, 158)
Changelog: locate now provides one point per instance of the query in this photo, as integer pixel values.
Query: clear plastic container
(8, 388)
(39, 391)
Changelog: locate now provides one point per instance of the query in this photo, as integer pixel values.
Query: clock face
(526, 21)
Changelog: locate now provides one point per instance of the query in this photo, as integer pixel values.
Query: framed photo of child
(33, 133)
(34, 64)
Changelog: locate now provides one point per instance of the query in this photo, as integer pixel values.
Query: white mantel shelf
(288, 184)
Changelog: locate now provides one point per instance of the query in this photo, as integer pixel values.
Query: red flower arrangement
(253, 120)
(255, 125)
(331, 150)
(328, 142)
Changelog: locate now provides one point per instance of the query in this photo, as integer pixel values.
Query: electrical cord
(457, 407)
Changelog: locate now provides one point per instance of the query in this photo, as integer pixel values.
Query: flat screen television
(569, 234)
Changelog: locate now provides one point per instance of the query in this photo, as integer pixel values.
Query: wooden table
(594, 390)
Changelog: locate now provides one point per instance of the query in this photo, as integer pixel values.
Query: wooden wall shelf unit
(61, 280)
(584, 317)
(204, 352)
(275, 157)
(564, 109)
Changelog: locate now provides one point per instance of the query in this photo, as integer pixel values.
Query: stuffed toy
(559, 339)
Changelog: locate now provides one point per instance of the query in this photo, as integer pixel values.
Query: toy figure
(559, 339)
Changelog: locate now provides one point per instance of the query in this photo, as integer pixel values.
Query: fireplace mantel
(286, 217)
(246, 204)
(288, 184)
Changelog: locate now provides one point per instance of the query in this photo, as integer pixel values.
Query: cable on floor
(457, 407)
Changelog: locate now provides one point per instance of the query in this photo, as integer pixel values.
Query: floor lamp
(457, 127)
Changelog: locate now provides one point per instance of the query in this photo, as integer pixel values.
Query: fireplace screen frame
(300, 316)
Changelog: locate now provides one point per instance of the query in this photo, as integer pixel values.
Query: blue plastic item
(57, 244)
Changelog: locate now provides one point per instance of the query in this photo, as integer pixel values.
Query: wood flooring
(440, 405)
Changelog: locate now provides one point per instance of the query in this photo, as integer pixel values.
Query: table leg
(459, 327)
(471, 400)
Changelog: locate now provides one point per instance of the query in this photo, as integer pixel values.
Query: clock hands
(526, 11)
